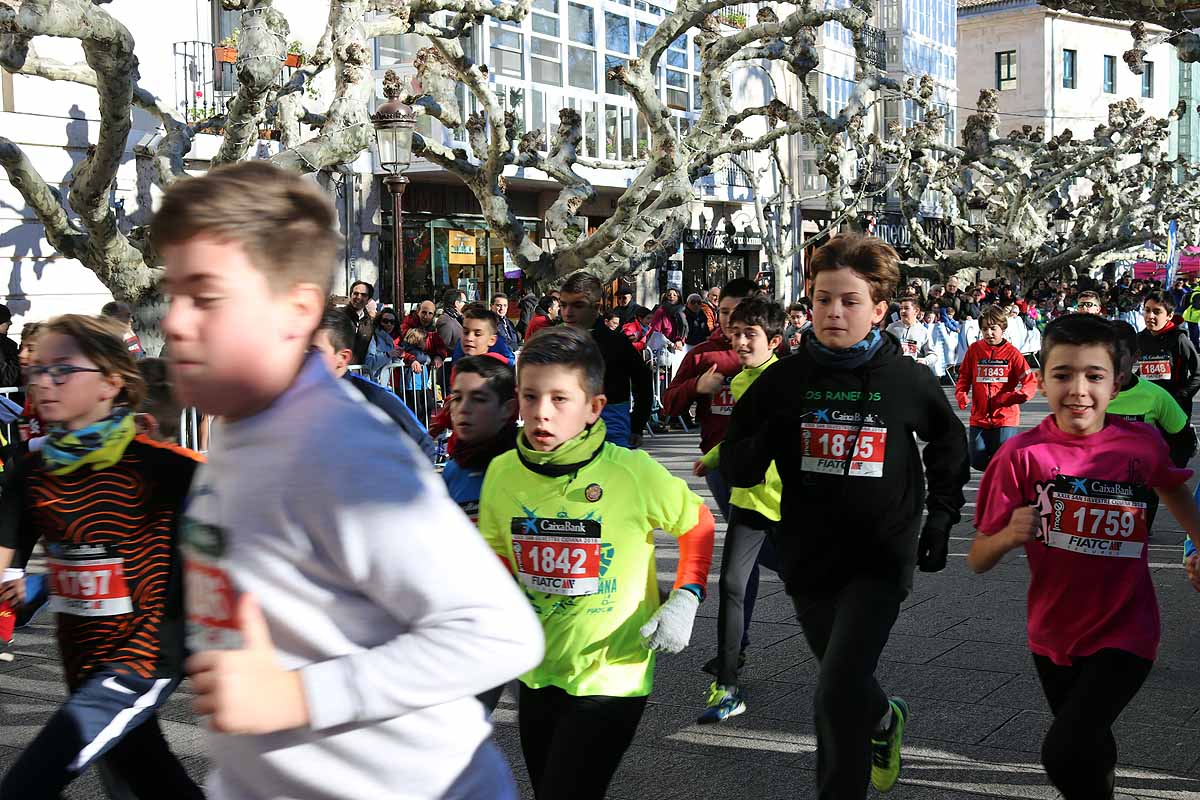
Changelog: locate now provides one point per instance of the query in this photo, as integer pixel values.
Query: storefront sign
(720, 240)
(462, 247)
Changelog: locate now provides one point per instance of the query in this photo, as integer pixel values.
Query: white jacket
(917, 343)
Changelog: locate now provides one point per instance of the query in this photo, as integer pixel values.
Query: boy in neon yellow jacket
(755, 330)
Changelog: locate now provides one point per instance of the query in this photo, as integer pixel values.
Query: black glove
(932, 549)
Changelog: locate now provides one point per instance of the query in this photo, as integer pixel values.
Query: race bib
(722, 401)
(212, 622)
(1154, 368)
(557, 556)
(1097, 518)
(86, 581)
(910, 347)
(990, 370)
(825, 448)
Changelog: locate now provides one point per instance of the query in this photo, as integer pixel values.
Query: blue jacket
(387, 402)
(464, 486)
(500, 347)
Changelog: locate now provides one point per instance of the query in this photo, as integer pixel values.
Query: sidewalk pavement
(957, 654)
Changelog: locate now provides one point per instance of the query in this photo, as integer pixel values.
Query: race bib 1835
(826, 446)
(1097, 518)
(86, 581)
(557, 556)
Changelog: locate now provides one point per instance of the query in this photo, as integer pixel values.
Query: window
(644, 32)
(891, 116)
(610, 133)
(399, 49)
(1006, 70)
(1110, 74)
(538, 121)
(616, 33)
(581, 68)
(677, 93)
(611, 85)
(627, 134)
(545, 61)
(1069, 57)
(508, 48)
(677, 54)
(581, 25)
(1148, 80)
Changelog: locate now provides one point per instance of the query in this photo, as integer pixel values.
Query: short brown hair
(101, 340)
(284, 222)
(872, 259)
(585, 284)
(482, 312)
(993, 315)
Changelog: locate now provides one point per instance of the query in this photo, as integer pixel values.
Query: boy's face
(1156, 315)
(338, 361)
(797, 318)
(82, 397)
(843, 311)
(751, 344)
(613, 323)
(231, 356)
(724, 309)
(1079, 382)
(578, 311)
(908, 312)
(993, 334)
(476, 410)
(554, 404)
(478, 337)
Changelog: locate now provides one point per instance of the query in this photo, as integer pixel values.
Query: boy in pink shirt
(1073, 492)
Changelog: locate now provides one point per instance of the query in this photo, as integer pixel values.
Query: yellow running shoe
(885, 752)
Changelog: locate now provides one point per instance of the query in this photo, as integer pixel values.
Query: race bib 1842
(557, 556)
(826, 446)
(1155, 368)
(87, 581)
(991, 370)
(1097, 518)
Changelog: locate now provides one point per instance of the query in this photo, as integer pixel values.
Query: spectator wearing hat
(700, 319)
(10, 360)
(626, 308)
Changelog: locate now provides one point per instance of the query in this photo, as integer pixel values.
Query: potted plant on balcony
(226, 50)
(296, 54)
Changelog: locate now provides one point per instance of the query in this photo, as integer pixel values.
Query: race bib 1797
(86, 581)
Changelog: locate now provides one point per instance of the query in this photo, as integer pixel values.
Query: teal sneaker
(723, 702)
(885, 752)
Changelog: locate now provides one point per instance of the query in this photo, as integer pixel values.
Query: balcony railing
(738, 16)
(876, 46)
(206, 78)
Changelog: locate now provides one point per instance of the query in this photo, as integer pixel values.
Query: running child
(342, 611)
(838, 419)
(755, 330)
(995, 380)
(915, 339)
(1073, 493)
(1145, 401)
(1168, 357)
(573, 518)
(483, 405)
(104, 501)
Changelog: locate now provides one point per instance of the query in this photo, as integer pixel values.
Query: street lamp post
(394, 122)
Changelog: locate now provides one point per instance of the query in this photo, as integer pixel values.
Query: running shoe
(885, 752)
(713, 665)
(723, 702)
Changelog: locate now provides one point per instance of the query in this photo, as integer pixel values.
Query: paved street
(957, 654)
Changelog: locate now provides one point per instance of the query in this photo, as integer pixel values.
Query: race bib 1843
(86, 581)
(991, 370)
(1155, 368)
(557, 556)
(826, 446)
(1097, 518)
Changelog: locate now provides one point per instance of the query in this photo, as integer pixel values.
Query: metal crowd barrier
(662, 374)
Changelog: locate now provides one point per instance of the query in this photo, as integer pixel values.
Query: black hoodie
(847, 519)
(1170, 360)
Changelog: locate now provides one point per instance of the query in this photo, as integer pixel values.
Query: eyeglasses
(58, 372)
(387, 322)
(1089, 305)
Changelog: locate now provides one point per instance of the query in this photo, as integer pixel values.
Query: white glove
(670, 629)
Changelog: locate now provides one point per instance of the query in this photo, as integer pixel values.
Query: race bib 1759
(557, 556)
(1097, 518)
(826, 446)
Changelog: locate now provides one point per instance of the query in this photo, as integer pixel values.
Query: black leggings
(1079, 752)
(744, 540)
(573, 745)
(847, 631)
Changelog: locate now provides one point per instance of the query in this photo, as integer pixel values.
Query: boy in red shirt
(1073, 492)
(994, 379)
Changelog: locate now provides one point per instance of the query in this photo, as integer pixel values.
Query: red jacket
(636, 334)
(434, 347)
(539, 321)
(712, 411)
(999, 379)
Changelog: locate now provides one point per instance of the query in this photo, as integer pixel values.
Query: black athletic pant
(573, 745)
(847, 631)
(744, 539)
(1080, 752)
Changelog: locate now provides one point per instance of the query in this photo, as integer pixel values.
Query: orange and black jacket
(127, 511)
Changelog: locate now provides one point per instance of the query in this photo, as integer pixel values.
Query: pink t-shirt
(1090, 586)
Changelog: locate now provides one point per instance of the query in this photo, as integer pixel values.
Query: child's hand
(964, 400)
(246, 691)
(698, 469)
(1022, 526)
(1193, 570)
(12, 593)
(710, 382)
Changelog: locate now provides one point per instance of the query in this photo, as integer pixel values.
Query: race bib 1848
(1155, 368)
(826, 446)
(991, 370)
(1098, 518)
(87, 581)
(557, 556)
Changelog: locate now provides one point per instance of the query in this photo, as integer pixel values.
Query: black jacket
(1174, 346)
(364, 330)
(625, 373)
(837, 526)
(10, 362)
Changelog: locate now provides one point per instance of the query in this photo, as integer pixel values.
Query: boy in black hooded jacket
(1168, 357)
(838, 419)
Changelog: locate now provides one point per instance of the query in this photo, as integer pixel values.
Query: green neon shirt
(1146, 401)
(582, 547)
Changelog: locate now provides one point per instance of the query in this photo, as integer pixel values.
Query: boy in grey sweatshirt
(342, 610)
